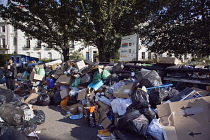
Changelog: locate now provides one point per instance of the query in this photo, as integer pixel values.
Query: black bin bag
(157, 96)
(133, 121)
(43, 99)
(11, 114)
(12, 134)
(149, 78)
(148, 113)
(3, 128)
(57, 98)
(8, 96)
(140, 99)
(39, 116)
(86, 79)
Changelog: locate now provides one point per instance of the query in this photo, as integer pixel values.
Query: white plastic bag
(119, 105)
(155, 130)
(100, 97)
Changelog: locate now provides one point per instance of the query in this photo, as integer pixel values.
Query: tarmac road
(57, 127)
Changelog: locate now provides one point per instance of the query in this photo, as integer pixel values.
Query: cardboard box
(64, 79)
(38, 77)
(64, 92)
(59, 72)
(54, 66)
(184, 94)
(125, 91)
(104, 106)
(169, 60)
(80, 64)
(80, 108)
(190, 118)
(208, 88)
(103, 119)
(73, 108)
(55, 76)
(82, 94)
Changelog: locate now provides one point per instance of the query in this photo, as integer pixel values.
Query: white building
(14, 41)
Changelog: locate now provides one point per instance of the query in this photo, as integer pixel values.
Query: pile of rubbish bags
(125, 107)
(18, 120)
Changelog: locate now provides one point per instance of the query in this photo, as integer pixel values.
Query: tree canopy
(180, 27)
(50, 21)
(101, 23)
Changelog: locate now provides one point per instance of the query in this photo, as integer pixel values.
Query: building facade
(13, 41)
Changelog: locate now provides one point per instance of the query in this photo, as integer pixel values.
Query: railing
(4, 47)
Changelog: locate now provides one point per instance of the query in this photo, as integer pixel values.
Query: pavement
(58, 127)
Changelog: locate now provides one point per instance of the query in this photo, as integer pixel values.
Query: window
(39, 55)
(50, 56)
(149, 55)
(3, 41)
(94, 52)
(15, 41)
(3, 28)
(87, 56)
(143, 55)
(15, 30)
(3, 44)
(39, 43)
(27, 43)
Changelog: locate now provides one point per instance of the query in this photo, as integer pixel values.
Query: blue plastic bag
(51, 83)
(3, 79)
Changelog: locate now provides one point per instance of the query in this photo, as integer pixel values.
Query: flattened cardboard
(82, 94)
(189, 117)
(64, 92)
(64, 79)
(169, 60)
(32, 96)
(80, 64)
(125, 91)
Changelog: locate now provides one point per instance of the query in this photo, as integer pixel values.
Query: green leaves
(180, 27)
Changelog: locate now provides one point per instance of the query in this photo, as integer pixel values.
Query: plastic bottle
(92, 120)
(75, 117)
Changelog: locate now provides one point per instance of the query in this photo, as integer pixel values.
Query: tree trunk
(103, 55)
(65, 54)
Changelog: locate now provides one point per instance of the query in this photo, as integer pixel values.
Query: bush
(45, 60)
(76, 56)
(4, 58)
